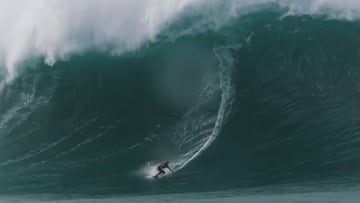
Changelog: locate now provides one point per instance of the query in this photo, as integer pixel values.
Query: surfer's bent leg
(161, 171)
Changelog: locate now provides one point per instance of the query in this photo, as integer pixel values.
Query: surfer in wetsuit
(161, 168)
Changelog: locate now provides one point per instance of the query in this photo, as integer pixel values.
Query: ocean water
(250, 101)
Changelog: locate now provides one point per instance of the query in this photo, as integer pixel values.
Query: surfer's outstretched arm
(170, 169)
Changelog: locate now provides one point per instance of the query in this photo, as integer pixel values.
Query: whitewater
(55, 30)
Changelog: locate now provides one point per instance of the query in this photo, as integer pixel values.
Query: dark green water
(263, 100)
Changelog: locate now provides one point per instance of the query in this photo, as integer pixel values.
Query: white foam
(150, 170)
(57, 29)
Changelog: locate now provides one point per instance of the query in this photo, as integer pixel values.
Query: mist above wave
(54, 30)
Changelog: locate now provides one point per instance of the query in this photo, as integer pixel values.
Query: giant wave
(236, 94)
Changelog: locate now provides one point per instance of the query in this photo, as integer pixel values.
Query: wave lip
(55, 30)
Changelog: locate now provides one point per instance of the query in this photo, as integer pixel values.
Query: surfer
(161, 168)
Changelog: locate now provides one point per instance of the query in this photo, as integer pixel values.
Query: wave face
(235, 94)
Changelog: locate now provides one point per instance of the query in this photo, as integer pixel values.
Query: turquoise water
(229, 196)
(264, 99)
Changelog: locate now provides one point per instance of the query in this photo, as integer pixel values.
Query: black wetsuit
(160, 169)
